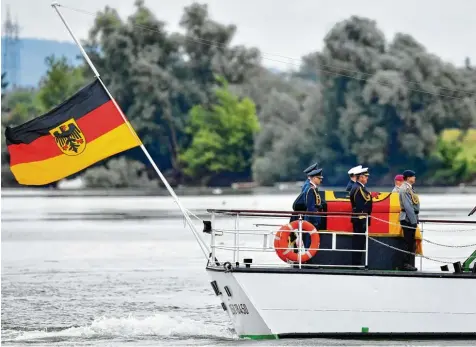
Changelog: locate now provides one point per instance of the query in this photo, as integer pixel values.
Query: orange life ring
(283, 246)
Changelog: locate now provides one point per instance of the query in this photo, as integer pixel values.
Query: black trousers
(358, 242)
(409, 241)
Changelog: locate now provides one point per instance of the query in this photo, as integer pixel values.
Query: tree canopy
(222, 137)
(362, 99)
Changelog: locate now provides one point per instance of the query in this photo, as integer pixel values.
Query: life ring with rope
(284, 245)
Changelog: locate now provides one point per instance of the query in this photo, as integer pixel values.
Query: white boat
(267, 298)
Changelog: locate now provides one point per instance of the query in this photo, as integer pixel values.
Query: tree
(385, 105)
(60, 82)
(157, 76)
(361, 99)
(222, 137)
(119, 172)
(21, 106)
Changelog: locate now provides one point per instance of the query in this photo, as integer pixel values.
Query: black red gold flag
(81, 131)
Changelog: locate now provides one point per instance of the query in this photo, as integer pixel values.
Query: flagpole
(472, 211)
(202, 245)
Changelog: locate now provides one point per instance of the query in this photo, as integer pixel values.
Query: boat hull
(267, 303)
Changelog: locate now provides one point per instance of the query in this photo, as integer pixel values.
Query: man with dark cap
(312, 198)
(409, 210)
(313, 202)
(306, 171)
(299, 204)
(361, 200)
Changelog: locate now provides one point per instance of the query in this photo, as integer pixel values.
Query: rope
(414, 254)
(449, 246)
(193, 214)
(218, 44)
(426, 229)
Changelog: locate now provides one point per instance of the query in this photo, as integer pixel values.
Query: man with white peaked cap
(361, 201)
(352, 172)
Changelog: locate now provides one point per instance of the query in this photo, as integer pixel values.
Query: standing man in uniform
(351, 173)
(312, 202)
(312, 198)
(361, 201)
(409, 210)
(398, 182)
(299, 203)
(306, 171)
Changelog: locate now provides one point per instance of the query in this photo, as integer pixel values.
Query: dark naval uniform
(352, 173)
(313, 203)
(349, 186)
(309, 201)
(409, 210)
(361, 201)
(306, 184)
(299, 204)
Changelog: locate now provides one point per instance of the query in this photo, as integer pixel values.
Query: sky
(283, 30)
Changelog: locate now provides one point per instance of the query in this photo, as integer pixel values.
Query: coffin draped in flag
(81, 131)
(385, 215)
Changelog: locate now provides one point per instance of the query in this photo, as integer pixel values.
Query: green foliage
(379, 104)
(21, 105)
(158, 76)
(467, 140)
(222, 136)
(361, 99)
(119, 173)
(61, 81)
(454, 159)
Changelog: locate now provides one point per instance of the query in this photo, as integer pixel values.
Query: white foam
(160, 325)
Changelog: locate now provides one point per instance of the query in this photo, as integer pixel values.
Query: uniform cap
(310, 168)
(408, 173)
(363, 171)
(398, 178)
(316, 172)
(354, 170)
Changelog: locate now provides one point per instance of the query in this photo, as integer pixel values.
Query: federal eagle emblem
(69, 138)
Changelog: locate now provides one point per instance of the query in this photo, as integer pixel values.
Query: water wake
(158, 326)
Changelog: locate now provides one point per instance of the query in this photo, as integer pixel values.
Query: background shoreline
(202, 191)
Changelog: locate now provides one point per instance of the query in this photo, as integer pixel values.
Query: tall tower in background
(11, 50)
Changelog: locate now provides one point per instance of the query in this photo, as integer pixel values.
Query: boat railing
(242, 227)
(248, 236)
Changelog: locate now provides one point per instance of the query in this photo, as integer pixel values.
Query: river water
(124, 271)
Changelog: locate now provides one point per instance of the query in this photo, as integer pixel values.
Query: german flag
(81, 131)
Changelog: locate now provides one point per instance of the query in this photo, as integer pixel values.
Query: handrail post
(422, 239)
(367, 241)
(237, 235)
(212, 238)
(235, 240)
(300, 240)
